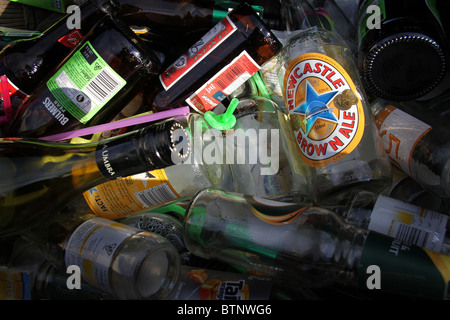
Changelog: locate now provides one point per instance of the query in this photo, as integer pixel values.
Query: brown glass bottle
(171, 26)
(404, 57)
(27, 62)
(190, 16)
(91, 86)
(230, 53)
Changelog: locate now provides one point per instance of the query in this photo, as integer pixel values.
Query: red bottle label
(197, 52)
(71, 39)
(224, 83)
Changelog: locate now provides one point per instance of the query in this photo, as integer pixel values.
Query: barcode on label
(156, 195)
(228, 77)
(103, 86)
(411, 235)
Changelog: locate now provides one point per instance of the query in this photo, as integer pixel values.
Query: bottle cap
(224, 121)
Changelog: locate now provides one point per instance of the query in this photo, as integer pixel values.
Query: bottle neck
(154, 147)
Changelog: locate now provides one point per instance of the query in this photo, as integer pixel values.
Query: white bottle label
(409, 223)
(92, 246)
(399, 134)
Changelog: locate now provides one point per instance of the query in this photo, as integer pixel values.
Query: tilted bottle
(416, 141)
(402, 48)
(145, 190)
(92, 84)
(27, 62)
(309, 247)
(172, 26)
(224, 58)
(202, 279)
(124, 262)
(399, 219)
(406, 189)
(38, 178)
(327, 119)
(184, 17)
(26, 274)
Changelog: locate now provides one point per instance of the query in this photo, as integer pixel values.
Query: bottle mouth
(404, 67)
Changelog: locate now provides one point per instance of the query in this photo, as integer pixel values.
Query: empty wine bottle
(222, 60)
(309, 247)
(91, 86)
(39, 178)
(402, 48)
(416, 141)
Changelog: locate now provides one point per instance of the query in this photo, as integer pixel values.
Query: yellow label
(124, 196)
(442, 263)
(324, 108)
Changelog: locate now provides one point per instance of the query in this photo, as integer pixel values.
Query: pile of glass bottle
(317, 165)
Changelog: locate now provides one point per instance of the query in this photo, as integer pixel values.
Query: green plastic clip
(224, 121)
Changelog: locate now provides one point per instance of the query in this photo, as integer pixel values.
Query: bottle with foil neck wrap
(40, 178)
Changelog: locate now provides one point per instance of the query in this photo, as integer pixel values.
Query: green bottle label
(404, 268)
(85, 83)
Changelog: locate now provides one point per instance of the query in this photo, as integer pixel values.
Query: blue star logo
(316, 106)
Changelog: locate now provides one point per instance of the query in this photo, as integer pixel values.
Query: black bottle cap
(156, 146)
(166, 144)
(404, 67)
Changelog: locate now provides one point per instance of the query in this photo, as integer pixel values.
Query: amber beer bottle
(404, 57)
(27, 62)
(91, 86)
(223, 59)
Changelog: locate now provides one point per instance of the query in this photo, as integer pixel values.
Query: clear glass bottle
(104, 72)
(39, 178)
(309, 247)
(416, 141)
(125, 262)
(163, 224)
(327, 120)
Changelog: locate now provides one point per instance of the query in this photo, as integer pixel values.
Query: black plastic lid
(404, 67)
